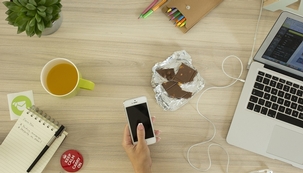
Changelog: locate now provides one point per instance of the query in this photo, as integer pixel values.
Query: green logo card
(18, 102)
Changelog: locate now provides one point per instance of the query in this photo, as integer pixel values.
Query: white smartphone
(136, 110)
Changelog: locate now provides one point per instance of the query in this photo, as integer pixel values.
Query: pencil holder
(192, 10)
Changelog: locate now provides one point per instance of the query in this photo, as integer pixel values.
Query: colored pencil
(154, 8)
(183, 24)
(179, 23)
(175, 15)
(148, 8)
(169, 10)
(172, 12)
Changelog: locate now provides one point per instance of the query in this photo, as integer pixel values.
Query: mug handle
(86, 84)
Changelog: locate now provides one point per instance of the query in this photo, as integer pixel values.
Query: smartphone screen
(139, 114)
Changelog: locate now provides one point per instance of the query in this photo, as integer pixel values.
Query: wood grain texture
(114, 49)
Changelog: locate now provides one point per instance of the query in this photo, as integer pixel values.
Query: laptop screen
(286, 48)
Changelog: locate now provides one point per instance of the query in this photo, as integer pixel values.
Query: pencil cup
(61, 78)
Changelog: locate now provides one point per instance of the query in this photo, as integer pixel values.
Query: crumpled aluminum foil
(174, 61)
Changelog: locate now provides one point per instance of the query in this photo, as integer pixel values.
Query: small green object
(20, 103)
(147, 14)
(32, 16)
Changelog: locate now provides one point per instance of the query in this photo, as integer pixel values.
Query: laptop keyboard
(277, 98)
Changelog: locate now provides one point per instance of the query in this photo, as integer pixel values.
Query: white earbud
(263, 171)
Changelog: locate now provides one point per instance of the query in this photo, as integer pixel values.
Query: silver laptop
(269, 116)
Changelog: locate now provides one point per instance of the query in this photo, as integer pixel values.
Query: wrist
(147, 171)
(143, 170)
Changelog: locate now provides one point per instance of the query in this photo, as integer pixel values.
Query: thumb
(140, 133)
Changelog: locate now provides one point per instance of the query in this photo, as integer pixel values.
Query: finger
(153, 119)
(141, 133)
(126, 136)
(157, 132)
(158, 139)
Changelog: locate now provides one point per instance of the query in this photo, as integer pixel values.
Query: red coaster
(71, 160)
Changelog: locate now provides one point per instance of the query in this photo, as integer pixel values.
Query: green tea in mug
(62, 79)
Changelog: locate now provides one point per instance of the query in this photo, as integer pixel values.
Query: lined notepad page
(24, 143)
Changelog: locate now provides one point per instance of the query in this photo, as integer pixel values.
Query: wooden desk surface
(114, 49)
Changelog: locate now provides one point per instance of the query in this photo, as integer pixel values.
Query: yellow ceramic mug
(61, 78)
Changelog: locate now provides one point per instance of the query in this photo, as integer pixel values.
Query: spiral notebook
(25, 141)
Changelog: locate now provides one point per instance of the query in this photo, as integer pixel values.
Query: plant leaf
(56, 17)
(13, 7)
(41, 8)
(30, 6)
(23, 9)
(21, 28)
(49, 25)
(11, 23)
(41, 2)
(30, 30)
(8, 12)
(32, 33)
(32, 22)
(33, 2)
(51, 2)
(38, 17)
(23, 2)
(49, 18)
(49, 10)
(38, 32)
(31, 13)
(12, 17)
(17, 2)
(56, 10)
(7, 3)
(41, 26)
(27, 29)
(20, 20)
(41, 13)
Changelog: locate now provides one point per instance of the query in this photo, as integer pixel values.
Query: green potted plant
(33, 16)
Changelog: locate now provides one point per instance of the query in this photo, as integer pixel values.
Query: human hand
(138, 154)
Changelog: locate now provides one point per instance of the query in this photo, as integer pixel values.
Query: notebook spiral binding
(43, 117)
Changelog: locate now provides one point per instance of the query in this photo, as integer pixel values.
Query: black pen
(56, 135)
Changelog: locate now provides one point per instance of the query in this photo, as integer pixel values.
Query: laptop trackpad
(286, 144)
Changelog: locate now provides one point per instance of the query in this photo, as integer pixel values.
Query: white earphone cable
(213, 125)
(255, 37)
